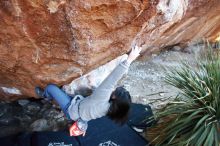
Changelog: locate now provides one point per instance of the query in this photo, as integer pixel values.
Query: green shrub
(195, 112)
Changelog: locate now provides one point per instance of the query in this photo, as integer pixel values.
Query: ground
(145, 79)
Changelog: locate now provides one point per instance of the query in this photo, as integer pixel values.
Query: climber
(103, 101)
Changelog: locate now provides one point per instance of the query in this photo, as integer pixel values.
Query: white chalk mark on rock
(11, 90)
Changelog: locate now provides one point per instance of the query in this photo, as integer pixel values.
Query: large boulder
(56, 41)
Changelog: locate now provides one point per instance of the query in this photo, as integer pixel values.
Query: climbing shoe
(39, 92)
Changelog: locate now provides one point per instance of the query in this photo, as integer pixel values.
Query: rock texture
(44, 41)
(34, 115)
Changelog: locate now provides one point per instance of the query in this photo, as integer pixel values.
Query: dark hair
(120, 101)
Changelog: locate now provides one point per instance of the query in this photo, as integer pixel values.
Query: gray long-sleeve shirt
(97, 105)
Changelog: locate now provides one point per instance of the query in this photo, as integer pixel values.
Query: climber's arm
(104, 91)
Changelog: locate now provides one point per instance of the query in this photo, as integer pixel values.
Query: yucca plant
(195, 112)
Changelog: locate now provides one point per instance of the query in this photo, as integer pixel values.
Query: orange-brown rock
(56, 41)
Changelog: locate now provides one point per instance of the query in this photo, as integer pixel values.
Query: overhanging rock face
(56, 41)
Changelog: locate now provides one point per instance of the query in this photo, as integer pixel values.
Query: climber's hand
(135, 52)
(78, 128)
